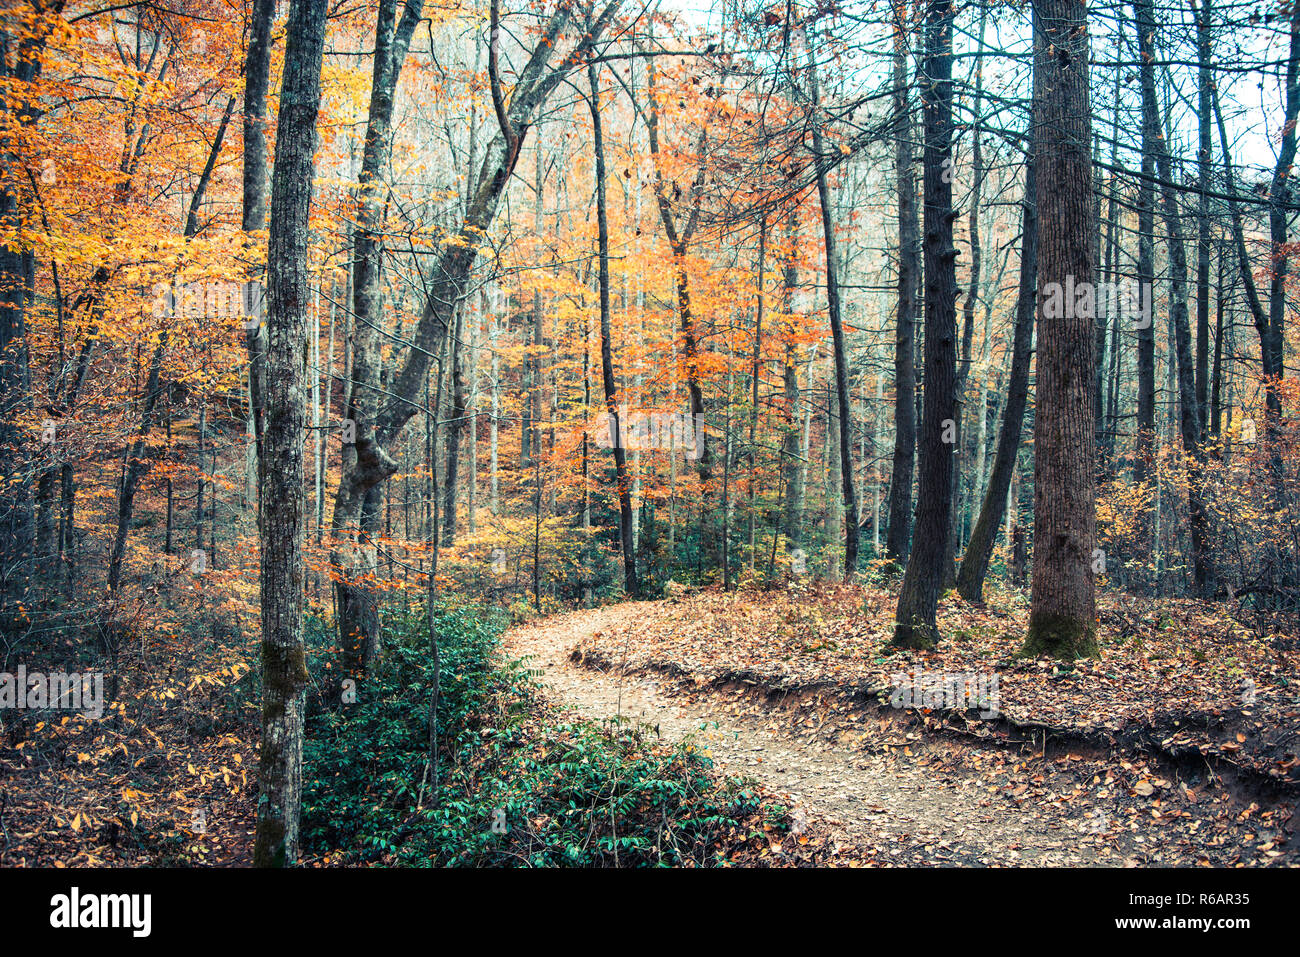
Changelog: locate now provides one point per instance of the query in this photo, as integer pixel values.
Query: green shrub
(558, 792)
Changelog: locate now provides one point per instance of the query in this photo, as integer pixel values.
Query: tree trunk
(1272, 342)
(1191, 413)
(257, 77)
(282, 519)
(630, 581)
(975, 563)
(455, 428)
(356, 513)
(845, 407)
(898, 536)
(968, 308)
(380, 425)
(1205, 79)
(791, 453)
(1063, 614)
(915, 618)
(1145, 326)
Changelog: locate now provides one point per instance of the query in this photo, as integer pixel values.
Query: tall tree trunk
(791, 454)
(1216, 375)
(1205, 80)
(1271, 339)
(356, 511)
(380, 425)
(282, 519)
(455, 428)
(679, 239)
(630, 581)
(1144, 452)
(915, 617)
(755, 365)
(21, 59)
(845, 406)
(975, 563)
(968, 306)
(1062, 619)
(1191, 413)
(1105, 418)
(257, 77)
(898, 536)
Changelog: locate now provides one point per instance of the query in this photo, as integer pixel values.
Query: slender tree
(844, 406)
(630, 581)
(898, 537)
(975, 563)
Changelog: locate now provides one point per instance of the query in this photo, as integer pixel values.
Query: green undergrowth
(519, 783)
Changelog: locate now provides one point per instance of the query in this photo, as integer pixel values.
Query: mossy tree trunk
(282, 518)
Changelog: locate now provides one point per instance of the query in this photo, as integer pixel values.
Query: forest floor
(1176, 748)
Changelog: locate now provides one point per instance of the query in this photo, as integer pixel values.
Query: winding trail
(911, 802)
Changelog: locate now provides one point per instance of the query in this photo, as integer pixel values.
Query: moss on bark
(1060, 637)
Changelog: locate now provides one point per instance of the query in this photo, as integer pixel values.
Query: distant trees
(975, 563)
(723, 225)
(378, 420)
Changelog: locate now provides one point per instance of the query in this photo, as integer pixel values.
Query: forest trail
(887, 804)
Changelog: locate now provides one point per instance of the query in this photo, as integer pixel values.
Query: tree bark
(915, 625)
(844, 403)
(356, 512)
(630, 581)
(257, 77)
(1144, 451)
(282, 519)
(1191, 413)
(791, 454)
(1063, 615)
(898, 536)
(975, 563)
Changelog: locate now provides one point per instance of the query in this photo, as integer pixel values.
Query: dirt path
(897, 804)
